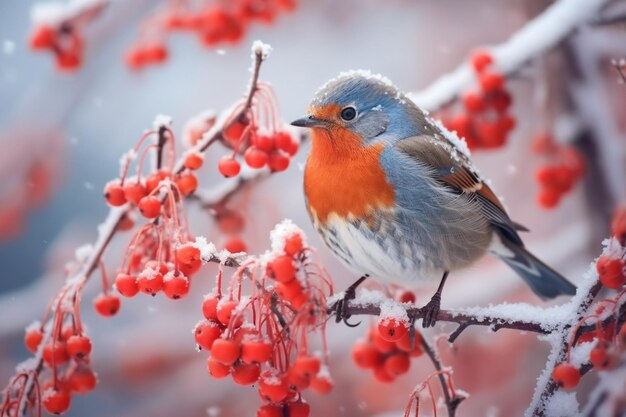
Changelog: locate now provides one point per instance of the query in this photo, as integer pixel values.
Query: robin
(395, 196)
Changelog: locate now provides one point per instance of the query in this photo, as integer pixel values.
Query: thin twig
(451, 398)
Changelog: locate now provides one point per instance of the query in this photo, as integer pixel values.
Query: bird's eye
(348, 113)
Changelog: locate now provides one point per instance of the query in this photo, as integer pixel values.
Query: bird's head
(366, 105)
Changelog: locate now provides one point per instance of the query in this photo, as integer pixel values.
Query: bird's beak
(309, 121)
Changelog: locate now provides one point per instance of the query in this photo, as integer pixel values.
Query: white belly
(390, 259)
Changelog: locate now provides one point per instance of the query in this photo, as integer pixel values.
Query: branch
(547, 386)
(453, 400)
(542, 33)
(108, 229)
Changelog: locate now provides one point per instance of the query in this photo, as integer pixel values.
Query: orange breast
(343, 177)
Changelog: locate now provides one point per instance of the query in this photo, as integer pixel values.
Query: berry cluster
(608, 335)
(485, 121)
(389, 346)
(557, 177)
(263, 338)
(65, 358)
(260, 138)
(213, 22)
(64, 42)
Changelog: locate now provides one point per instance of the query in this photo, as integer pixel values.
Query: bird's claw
(341, 307)
(431, 311)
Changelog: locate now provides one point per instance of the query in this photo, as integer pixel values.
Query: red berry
(392, 329)
(78, 346)
(500, 100)
(270, 410)
(298, 409)
(365, 355)
(190, 269)
(473, 102)
(134, 191)
(187, 184)
(187, 254)
(176, 286)
(32, 339)
(114, 194)
(278, 161)
(229, 167)
(256, 351)
(322, 384)
(297, 380)
(566, 375)
(42, 37)
(226, 351)
(255, 157)
(150, 207)
(194, 160)
(234, 132)
(491, 81)
(206, 333)
(282, 268)
(154, 180)
(263, 142)
(209, 306)
(397, 364)
(82, 379)
(548, 198)
(246, 373)
(293, 244)
(381, 374)
(481, 60)
(383, 346)
(307, 365)
(69, 60)
(413, 349)
(55, 353)
(217, 369)
(107, 305)
(235, 245)
(150, 281)
(225, 311)
(611, 272)
(126, 285)
(56, 401)
(135, 58)
(618, 224)
(155, 52)
(600, 358)
(407, 297)
(273, 386)
(289, 290)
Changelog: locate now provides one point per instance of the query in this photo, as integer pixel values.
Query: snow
(393, 310)
(162, 120)
(83, 252)
(260, 48)
(536, 37)
(562, 404)
(281, 232)
(55, 13)
(549, 318)
(579, 354)
(8, 47)
(452, 137)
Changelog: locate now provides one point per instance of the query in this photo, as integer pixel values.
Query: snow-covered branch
(539, 35)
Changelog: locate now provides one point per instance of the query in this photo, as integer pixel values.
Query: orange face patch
(343, 177)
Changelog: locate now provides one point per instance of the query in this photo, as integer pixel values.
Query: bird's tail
(543, 280)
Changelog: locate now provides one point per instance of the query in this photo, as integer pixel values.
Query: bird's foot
(341, 307)
(431, 311)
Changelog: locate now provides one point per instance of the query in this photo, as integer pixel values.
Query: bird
(395, 196)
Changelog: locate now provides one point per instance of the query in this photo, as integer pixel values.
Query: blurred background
(62, 135)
